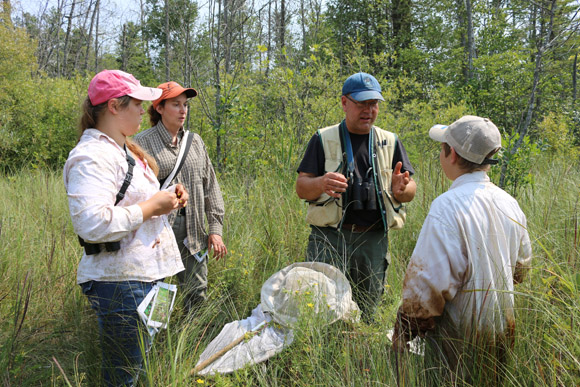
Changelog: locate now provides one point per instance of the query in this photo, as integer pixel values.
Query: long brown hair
(154, 116)
(90, 117)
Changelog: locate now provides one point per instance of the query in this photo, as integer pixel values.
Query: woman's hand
(182, 195)
(163, 202)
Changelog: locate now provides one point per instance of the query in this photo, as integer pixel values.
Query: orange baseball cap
(173, 89)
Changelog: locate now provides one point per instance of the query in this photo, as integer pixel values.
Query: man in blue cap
(355, 177)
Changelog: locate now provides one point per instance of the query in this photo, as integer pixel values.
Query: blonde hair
(90, 117)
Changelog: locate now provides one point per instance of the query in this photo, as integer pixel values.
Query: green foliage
(261, 113)
(40, 123)
(517, 167)
(132, 55)
(498, 79)
(37, 114)
(366, 23)
(555, 136)
(269, 120)
(265, 231)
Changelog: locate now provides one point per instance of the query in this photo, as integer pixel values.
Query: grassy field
(48, 333)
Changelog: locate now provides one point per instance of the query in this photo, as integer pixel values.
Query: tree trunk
(470, 40)
(56, 43)
(303, 26)
(401, 22)
(226, 27)
(269, 51)
(280, 30)
(97, 37)
(574, 77)
(143, 37)
(6, 13)
(124, 48)
(462, 27)
(524, 126)
(167, 42)
(93, 17)
(67, 37)
(217, 121)
(83, 30)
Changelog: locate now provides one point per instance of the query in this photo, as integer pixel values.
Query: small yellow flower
(199, 381)
(310, 305)
(307, 293)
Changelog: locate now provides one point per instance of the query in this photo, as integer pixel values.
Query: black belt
(181, 211)
(357, 228)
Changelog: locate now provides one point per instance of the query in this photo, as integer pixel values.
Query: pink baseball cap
(116, 83)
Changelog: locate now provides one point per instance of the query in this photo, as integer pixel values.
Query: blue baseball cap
(362, 87)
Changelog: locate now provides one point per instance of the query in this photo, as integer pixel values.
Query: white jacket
(93, 174)
(464, 263)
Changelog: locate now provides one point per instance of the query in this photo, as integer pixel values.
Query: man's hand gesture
(400, 182)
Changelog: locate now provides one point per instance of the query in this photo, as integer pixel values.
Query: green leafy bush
(38, 115)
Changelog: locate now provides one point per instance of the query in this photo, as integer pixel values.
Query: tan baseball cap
(472, 137)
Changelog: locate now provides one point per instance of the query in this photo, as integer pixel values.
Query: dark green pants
(362, 257)
(193, 280)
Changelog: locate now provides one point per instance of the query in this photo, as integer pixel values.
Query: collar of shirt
(98, 135)
(478, 176)
(166, 136)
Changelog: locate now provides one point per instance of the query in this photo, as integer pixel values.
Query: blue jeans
(123, 337)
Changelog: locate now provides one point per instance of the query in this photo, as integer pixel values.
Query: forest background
(269, 74)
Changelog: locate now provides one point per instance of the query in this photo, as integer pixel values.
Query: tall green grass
(48, 333)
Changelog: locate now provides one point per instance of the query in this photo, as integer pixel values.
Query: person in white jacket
(128, 242)
(473, 247)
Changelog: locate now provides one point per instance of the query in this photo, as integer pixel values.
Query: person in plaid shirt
(163, 141)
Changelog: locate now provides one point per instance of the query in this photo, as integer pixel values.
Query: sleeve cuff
(215, 229)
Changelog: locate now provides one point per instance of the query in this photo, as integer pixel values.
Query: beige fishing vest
(326, 211)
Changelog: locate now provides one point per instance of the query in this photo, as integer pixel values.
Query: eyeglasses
(371, 103)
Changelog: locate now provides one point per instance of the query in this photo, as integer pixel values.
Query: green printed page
(162, 304)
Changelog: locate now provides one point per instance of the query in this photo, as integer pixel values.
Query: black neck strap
(128, 177)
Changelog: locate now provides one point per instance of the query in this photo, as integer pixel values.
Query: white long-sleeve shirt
(465, 259)
(93, 175)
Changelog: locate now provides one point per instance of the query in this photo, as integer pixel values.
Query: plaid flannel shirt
(197, 176)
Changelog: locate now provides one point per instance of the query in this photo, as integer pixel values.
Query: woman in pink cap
(164, 141)
(118, 213)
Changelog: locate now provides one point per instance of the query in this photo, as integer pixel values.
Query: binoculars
(95, 248)
(362, 192)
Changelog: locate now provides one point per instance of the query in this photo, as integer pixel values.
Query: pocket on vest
(324, 213)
